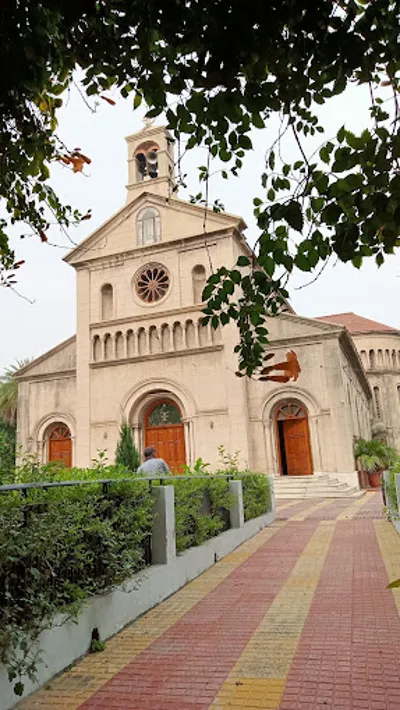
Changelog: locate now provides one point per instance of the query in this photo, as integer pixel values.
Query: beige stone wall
(380, 354)
(43, 402)
(320, 389)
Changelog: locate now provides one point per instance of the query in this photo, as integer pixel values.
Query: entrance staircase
(316, 486)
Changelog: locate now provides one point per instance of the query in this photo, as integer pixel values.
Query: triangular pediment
(179, 220)
(60, 359)
(290, 325)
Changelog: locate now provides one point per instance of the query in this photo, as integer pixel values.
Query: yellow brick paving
(79, 683)
(349, 513)
(389, 543)
(258, 678)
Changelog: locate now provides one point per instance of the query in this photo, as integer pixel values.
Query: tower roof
(357, 324)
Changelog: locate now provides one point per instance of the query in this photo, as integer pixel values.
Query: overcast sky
(29, 329)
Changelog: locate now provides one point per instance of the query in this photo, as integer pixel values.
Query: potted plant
(374, 457)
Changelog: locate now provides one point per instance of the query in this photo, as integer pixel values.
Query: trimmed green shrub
(256, 494)
(61, 546)
(201, 510)
(390, 489)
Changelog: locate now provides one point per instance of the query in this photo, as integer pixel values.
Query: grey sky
(31, 329)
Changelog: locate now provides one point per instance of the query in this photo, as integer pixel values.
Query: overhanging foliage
(218, 68)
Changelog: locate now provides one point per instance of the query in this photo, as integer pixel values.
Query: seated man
(152, 466)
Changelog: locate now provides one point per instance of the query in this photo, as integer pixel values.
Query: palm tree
(9, 392)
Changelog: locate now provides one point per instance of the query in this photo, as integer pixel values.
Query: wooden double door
(164, 430)
(60, 445)
(293, 438)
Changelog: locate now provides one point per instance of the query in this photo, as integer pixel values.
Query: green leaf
(137, 100)
(243, 261)
(19, 688)
(294, 216)
(245, 142)
(257, 201)
(394, 585)
(271, 194)
(341, 134)
(225, 155)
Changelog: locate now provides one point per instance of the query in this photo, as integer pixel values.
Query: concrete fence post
(163, 545)
(237, 511)
(272, 490)
(397, 480)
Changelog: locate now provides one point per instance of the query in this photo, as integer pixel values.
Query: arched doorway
(293, 440)
(60, 444)
(164, 430)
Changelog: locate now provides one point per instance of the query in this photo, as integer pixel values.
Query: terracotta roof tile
(357, 324)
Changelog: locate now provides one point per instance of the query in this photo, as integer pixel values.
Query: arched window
(165, 338)
(148, 226)
(198, 280)
(60, 444)
(394, 359)
(96, 348)
(190, 334)
(119, 345)
(372, 359)
(387, 353)
(377, 403)
(363, 356)
(108, 351)
(146, 156)
(380, 358)
(398, 394)
(130, 343)
(177, 336)
(163, 414)
(154, 340)
(107, 305)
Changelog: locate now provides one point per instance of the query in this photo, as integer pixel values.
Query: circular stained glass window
(152, 283)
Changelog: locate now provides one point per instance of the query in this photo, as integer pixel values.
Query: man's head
(149, 452)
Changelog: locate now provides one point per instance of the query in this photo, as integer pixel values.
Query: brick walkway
(298, 618)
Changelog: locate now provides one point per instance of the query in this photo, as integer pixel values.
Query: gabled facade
(142, 354)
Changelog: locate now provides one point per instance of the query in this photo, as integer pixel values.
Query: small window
(372, 359)
(398, 394)
(148, 226)
(377, 403)
(107, 302)
(199, 281)
(394, 359)
(363, 355)
(380, 358)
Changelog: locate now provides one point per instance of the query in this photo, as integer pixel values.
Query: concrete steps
(317, 486)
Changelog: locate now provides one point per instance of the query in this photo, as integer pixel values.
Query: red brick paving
(300, 507)
(185, 667)
(348, 657)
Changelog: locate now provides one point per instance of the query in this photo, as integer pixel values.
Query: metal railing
(43, 485)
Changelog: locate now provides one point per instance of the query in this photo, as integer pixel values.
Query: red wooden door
(164, 430)
(297, 447)
(169, 443)
(60, 445)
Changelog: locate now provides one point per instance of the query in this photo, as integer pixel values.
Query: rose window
(152, 283)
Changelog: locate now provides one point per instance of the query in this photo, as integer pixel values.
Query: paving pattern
(298, 618)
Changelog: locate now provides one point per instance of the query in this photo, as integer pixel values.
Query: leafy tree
(9, 392)
(289, 57)
(126, 452)
(7, 451)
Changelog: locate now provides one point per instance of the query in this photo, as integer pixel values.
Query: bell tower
(150, 162)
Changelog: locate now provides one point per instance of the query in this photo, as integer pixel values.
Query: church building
(141, 354)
